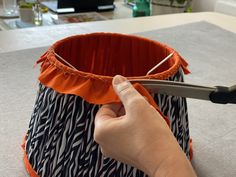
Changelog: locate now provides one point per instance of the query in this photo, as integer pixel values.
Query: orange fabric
(145, 93)
(191, 149)
(100, 56)
(28, 166)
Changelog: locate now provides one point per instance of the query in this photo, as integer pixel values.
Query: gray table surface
(210, 52)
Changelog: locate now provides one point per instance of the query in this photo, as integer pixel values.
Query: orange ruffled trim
(100, 56)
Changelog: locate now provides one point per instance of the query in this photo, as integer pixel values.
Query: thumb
(126, 92)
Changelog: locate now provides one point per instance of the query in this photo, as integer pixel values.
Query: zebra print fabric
(59, 141)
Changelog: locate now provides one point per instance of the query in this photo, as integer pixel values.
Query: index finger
(109, 111)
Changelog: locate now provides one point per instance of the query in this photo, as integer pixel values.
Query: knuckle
(123, 86)
(127, 91)
(104, 152)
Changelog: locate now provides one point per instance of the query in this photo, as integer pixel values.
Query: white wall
(203, 5)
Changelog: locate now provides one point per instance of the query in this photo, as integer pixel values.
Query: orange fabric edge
(145, 93)
(191, 149)
(33, 173)
(28, 166)
(66, 80)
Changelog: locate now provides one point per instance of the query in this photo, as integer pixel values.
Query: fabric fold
(87, 78)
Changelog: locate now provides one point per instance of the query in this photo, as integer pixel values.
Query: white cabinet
(226, 7)
(203, 5)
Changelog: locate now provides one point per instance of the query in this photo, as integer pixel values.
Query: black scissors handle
(224, 95)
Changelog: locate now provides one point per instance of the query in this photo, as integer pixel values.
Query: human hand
(134, 132)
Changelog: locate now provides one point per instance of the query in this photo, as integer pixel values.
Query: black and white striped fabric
(60, 143)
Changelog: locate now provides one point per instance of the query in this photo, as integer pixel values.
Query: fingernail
(118, 79)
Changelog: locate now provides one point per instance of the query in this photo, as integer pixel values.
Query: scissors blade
(176, 88)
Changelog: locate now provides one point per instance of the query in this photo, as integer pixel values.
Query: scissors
(217, 94)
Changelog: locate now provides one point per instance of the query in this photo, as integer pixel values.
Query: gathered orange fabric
(98, 57)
